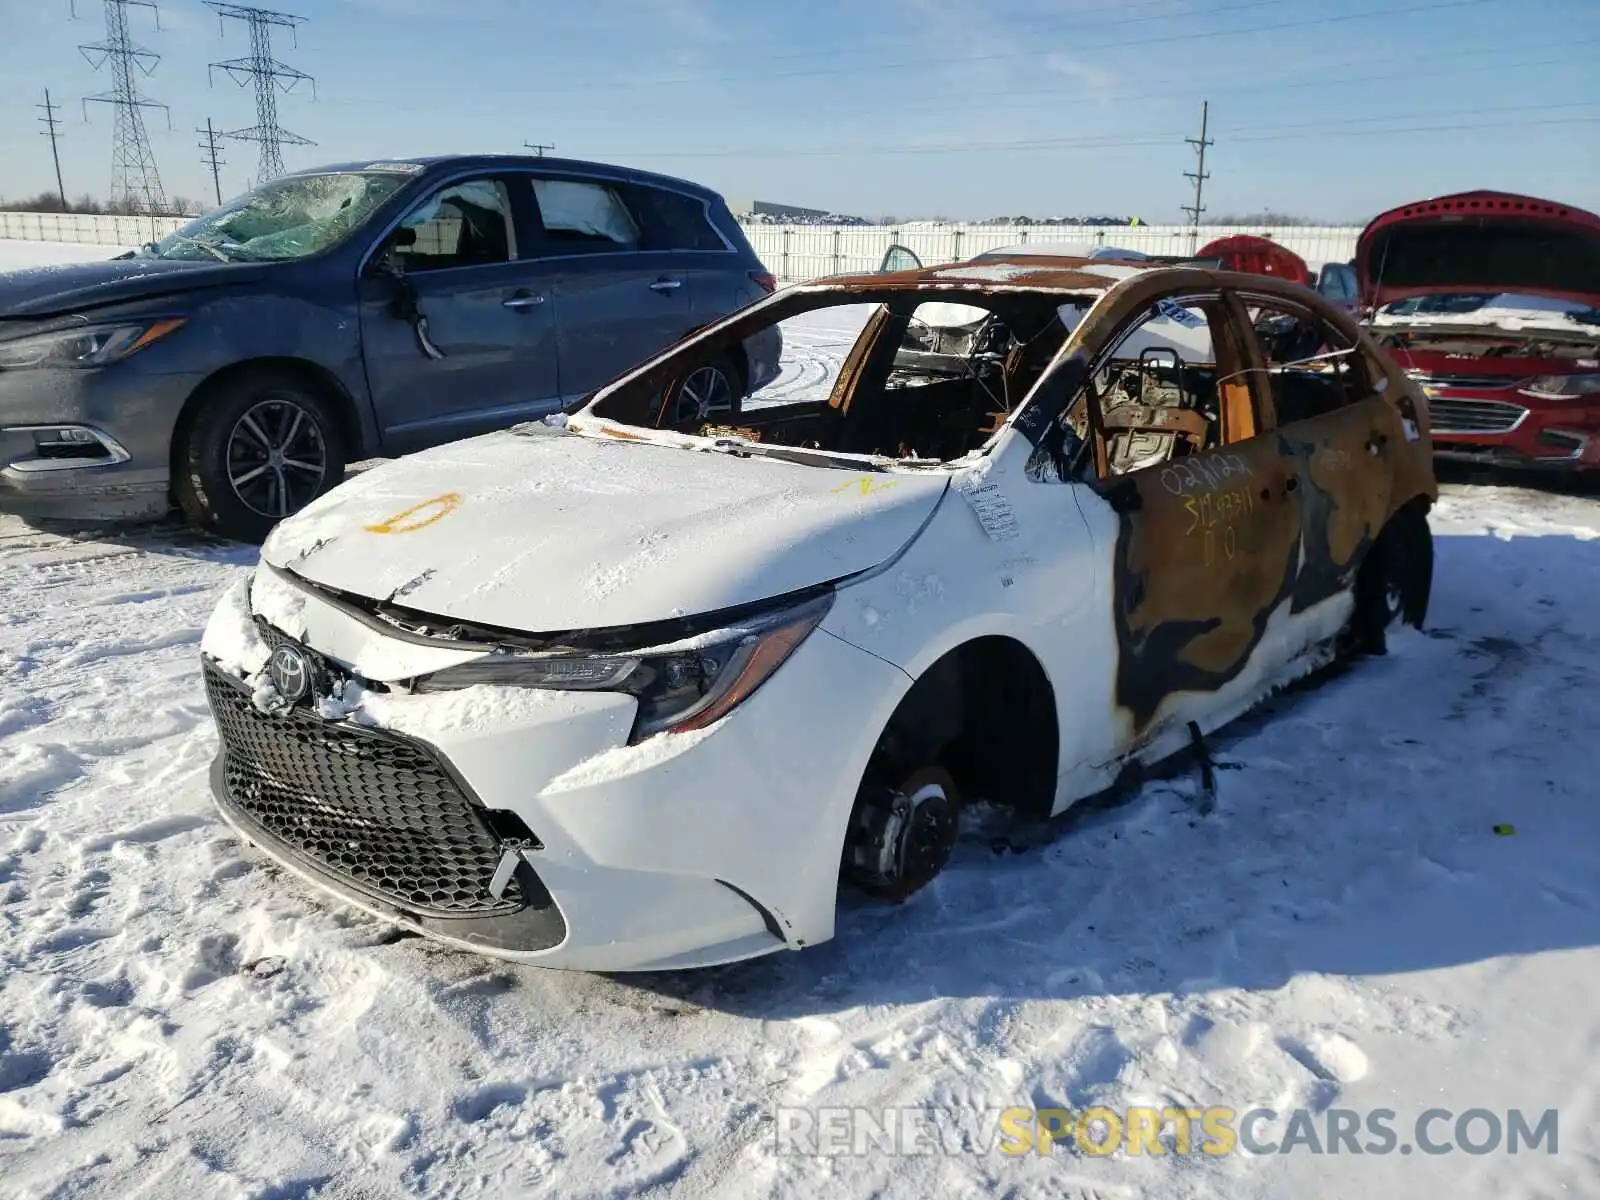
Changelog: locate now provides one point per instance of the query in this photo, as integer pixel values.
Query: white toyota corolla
(627, 689)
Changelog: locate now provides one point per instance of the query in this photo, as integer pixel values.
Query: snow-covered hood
(74, 287)
(1483, 243)
(545, 531)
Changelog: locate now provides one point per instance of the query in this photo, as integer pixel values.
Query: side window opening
(1157, 389)
(463, 225)
(584, 216)
(1311, 368)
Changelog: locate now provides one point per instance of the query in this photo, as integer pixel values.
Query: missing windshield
(891, 376)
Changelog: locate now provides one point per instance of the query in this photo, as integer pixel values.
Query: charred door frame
(1189, 613)
(1342, 458)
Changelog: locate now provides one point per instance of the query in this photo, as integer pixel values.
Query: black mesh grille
(373, 808)
(1474, 416)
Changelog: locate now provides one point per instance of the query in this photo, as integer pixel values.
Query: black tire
(1395, 581)
(259, 448)
(722, 399)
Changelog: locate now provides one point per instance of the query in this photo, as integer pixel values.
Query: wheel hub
(902, 837)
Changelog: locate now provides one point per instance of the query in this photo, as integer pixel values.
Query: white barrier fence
(93, 229)
(800, 252)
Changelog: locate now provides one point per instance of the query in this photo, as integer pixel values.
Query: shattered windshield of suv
(288, 218)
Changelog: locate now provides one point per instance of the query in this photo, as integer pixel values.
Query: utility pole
(539, 147)
(269, 76)
(211, 158)
(135, 182)
(52, 131)
(1199, 174)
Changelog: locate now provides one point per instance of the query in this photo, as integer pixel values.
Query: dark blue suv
(236, 367)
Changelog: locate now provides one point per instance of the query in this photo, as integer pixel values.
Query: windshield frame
(207, 222)
(585, 416)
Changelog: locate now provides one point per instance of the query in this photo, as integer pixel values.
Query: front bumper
(683, 851)
(120, 406)
(1504, 428)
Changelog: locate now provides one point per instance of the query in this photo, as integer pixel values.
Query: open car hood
(538, 530)
(1485, 243)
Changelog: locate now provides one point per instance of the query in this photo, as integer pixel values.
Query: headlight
(88, 346)
(1562, 387)
(683, 686)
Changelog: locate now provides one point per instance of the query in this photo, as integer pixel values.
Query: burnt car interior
(1165, 386)
(934, 374)
(914, 387)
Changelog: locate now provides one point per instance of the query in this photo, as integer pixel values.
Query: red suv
(1492, 302)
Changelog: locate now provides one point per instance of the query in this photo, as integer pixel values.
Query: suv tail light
(765, 281)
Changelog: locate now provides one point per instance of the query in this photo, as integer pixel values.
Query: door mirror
(898, 258)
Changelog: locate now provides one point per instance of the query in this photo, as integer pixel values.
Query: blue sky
(908, 107)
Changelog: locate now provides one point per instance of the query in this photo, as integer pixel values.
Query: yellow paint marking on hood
(402, 522)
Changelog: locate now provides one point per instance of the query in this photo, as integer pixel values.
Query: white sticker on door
(989, 503)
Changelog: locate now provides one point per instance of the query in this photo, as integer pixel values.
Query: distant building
(766, 208)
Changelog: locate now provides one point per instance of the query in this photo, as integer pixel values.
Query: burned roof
(1043, 273)
(1053, 274)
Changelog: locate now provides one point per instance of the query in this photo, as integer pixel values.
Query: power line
(1183, 88)
(269, 77)
(53, 132)
(761, 74)
(1078, 50)
(211, 158)
(135, 182)
(1199, 174)
(1118, 140)
(539, 147)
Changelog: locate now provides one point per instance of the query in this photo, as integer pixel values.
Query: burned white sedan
(635, 691)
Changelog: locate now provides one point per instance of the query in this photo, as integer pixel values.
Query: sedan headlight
(83, 346)
(1562, 387)
(682, 686)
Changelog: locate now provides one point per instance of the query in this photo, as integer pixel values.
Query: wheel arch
(316, 378)
(985, 708)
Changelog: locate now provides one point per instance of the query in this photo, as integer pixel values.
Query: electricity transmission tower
(52, 131)
(135, 182)
(211, 158)
(1199, 174)
(269, 76)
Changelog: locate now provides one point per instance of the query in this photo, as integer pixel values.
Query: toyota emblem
(290, 673)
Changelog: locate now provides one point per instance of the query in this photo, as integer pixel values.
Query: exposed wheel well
(317, 379)
(1408, 537)
(985, 712)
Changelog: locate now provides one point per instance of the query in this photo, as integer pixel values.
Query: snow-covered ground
(1345, 930)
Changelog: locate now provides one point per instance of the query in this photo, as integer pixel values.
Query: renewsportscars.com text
(1154, 1132)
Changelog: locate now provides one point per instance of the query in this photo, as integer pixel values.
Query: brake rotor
(903, 836)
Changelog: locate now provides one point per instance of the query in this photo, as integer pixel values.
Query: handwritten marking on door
(1187, 477)
(418, 516)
